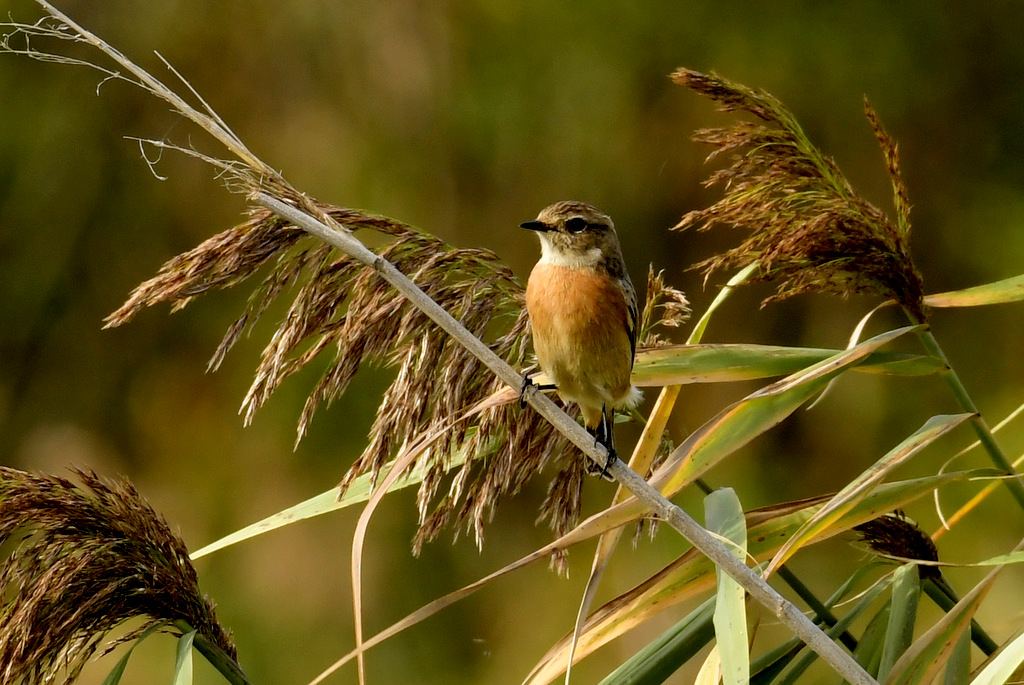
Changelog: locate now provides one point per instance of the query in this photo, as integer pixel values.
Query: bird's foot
(527, 382)
(604, 439)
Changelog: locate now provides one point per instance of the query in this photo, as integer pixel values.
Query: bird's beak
(535, 226)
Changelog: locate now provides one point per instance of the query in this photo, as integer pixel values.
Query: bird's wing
(632, 316)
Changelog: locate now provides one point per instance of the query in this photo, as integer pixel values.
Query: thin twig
(682, 522)
(978, 423)
(212, 125)
(264, 178)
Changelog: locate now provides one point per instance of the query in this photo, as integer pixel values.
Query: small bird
(583, 312)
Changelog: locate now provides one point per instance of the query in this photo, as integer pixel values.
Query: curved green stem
(981, 429)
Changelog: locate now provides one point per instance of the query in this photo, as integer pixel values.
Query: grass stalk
(940, 592)
(779, 606)
(978, 424)
(263, 185)
(821, 612)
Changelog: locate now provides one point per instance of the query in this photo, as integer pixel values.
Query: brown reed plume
(664, 307)
(85, 559)
(344, 308)
(440, 391)
(809, 230)
(893, 535)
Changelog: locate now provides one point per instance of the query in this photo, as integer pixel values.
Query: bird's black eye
(576, 224)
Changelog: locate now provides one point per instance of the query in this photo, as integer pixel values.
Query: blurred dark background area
(464, 119)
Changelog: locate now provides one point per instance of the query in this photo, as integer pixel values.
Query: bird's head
(575, 234)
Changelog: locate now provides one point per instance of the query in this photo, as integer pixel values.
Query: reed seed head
(85, 559)
(809, 230)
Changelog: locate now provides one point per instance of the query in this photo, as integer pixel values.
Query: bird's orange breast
(580, 331)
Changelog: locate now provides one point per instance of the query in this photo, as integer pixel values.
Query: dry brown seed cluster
(809, 231)
(88, 558)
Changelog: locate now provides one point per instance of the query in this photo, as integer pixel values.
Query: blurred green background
(465, 118)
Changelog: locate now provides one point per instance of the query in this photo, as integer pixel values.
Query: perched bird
(583, 312)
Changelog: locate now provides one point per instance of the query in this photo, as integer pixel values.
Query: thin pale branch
(301, 212)
(675, 517)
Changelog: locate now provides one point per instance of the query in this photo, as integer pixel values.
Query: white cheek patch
(555, 256)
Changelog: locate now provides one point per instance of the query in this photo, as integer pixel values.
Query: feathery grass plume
(85, 559)
(343, 306)
(667, 307)
(672, 303)
(893, 535)
(810, 232)
(438, 390)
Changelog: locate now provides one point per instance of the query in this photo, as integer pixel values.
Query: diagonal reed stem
(678, 519)
(264, 178)
(978, 423)
(822, 612)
